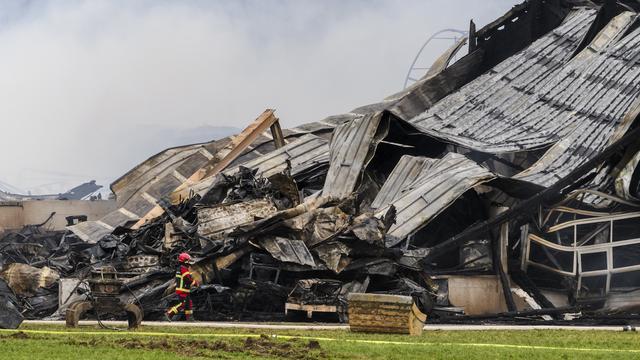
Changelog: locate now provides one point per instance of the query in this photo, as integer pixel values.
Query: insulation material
(24, 279)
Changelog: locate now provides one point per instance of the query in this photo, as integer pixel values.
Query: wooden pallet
(310, 309)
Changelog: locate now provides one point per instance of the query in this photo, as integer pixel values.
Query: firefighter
(184, 284)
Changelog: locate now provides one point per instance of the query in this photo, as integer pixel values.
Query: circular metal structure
(445, 34)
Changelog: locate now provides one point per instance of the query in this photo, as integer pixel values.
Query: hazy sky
(91, 88)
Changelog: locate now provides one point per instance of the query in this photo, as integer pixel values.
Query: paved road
(323, 326)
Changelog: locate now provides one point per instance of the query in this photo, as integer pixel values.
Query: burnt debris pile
(503, 186)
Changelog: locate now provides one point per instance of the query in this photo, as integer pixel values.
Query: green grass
(89, 342)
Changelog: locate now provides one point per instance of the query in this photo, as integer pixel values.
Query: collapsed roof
(475, 169)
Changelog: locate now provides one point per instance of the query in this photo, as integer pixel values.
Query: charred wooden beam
(237, 145)
(276, 132)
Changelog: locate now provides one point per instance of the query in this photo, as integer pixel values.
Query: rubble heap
(500, 187)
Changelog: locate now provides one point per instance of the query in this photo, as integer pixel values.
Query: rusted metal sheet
(448, 179)
(179, 187)
(352, 147)
(288, 250)
(407, 170)
(215, 222)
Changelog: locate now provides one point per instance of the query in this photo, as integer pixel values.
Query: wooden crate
(381, 313)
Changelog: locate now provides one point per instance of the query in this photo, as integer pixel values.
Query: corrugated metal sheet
(131, 189)
(312, 169)
(305, 151)
(215, 222)
(138, 177)
(406, 171)
(160, 175)
(447, 180)
(595, 95)
(352, 147)
(541, 97)
(139, 190)
(501, 111)
(287, 250)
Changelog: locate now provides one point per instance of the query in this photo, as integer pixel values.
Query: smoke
(85, 85)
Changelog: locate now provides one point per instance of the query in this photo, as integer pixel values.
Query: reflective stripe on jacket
(184, 280)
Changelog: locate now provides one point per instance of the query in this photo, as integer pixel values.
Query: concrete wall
(477, 295)
(16, 215)
(10, 216)
(481, 294)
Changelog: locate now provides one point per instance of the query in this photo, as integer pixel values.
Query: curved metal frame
(435, 36)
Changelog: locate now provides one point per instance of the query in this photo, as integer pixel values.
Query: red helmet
(184, 257)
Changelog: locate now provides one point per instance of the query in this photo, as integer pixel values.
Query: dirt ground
(257, 346)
